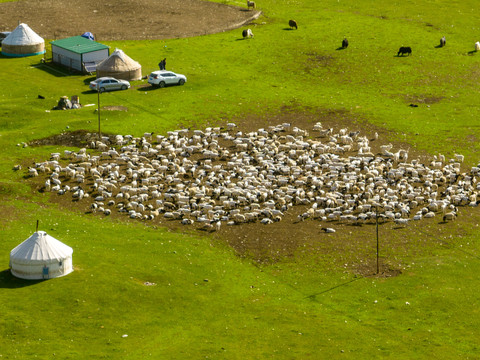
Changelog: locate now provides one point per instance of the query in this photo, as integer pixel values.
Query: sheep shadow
(340, 48)
(472, 52)
(289, 29)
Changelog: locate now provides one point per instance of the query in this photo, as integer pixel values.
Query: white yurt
(119, 65)
(41, 257)
(23, 41)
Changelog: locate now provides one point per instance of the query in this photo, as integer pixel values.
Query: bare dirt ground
(124, 19)
(351, 248)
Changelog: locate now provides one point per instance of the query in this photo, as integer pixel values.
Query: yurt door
(45, 272)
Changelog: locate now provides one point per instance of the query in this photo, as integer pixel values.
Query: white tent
(41, 257)
(23, 41)
(119, 65)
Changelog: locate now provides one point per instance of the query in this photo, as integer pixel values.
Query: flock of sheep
(224, 176)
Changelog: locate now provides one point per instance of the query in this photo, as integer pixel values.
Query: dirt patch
(315, 60)
(124, 19)
(115, 108)
(78, 138)
(422, 99)
(351, 248)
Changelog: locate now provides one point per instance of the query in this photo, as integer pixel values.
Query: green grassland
(207, 302)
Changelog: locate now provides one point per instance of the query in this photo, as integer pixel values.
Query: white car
(109, 83)
(161, 78)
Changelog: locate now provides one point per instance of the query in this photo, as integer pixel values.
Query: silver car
(161, 78)
(109, 83)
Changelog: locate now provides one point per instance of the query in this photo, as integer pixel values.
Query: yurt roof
(118, 61)
(23, 35)
(40, 247)
(79, 44)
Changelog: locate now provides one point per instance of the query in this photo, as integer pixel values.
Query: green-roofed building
(78, 53)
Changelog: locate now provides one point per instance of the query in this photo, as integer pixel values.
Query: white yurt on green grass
(23, 41)
(41, 257)
(119, 65)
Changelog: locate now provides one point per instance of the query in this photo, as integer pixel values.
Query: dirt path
(124, 19)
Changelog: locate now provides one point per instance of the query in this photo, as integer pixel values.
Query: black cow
(404, 50)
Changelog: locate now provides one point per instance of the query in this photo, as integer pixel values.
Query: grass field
(207, 301)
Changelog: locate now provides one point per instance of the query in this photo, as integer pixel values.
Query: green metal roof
(78, 44)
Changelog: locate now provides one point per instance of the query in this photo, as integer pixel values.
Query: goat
(401, 221)
(449, 216)
(443, 41)
(247, 33)
(292, 24)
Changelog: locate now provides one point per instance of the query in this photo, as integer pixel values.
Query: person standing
(162, 64)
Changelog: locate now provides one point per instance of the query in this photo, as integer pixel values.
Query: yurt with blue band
(41, 257)
(23, 41)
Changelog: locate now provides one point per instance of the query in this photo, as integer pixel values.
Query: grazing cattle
(251, 4)
(344, 43)
(247, 33)
(404, 50)
(477, 46)
(292, 24)
(443, 41)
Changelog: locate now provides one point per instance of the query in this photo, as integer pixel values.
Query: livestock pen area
(322, 186)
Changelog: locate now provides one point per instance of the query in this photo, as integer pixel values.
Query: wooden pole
(376, 226)
(98, 110)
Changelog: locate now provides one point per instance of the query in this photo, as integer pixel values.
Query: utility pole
(98, 110)
(376, 228)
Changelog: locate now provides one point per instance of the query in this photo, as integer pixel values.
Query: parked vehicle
(161, 78)
(109, 83)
